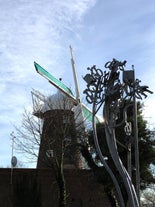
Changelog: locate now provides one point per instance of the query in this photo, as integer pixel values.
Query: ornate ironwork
(105, 88)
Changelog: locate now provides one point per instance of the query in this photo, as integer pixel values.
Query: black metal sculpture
(104, 88)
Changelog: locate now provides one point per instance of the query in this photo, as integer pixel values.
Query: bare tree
(148, 197)
(28, 136)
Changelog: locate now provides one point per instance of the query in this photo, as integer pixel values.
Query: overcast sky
(42, 31)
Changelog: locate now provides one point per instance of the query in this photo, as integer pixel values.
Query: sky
(41, 31)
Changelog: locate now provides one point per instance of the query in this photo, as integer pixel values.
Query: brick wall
(37, 187)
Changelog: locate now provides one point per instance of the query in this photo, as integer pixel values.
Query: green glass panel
(52, 79)
(88, 114)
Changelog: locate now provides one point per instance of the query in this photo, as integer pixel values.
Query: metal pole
(12, 135)
(78, 98)
(129, 160)
(128, 131)
(75, 76)
(136, 145)
(80, 116)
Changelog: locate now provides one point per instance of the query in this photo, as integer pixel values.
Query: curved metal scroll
(106, 88)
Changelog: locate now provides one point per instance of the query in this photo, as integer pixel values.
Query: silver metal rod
(12, 135)
(75, 76)
(103, 161)
(111, 141)
(136, 146)
(129, 160)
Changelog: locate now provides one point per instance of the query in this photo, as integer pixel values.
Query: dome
(57, 101)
